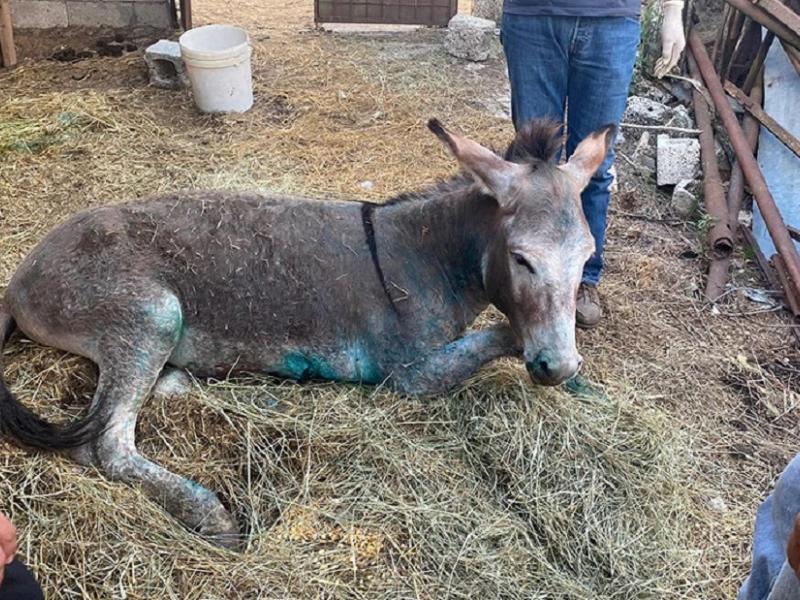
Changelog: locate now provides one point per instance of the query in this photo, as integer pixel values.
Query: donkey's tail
(19, 422)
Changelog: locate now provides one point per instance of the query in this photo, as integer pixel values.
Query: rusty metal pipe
(718, 270)
(758, 185)
(736, 185)
(789, 292)
(729, 47)
(717, 277)
(720, 236)
(759, 15)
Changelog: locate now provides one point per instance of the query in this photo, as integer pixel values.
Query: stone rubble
(684, 199)
(469, 37)
(488, 9)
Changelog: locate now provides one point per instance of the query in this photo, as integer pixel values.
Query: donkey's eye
(522, 261)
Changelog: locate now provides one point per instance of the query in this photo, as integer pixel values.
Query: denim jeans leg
(537, 55)
(601, 68)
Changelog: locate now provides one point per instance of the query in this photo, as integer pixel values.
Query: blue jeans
(579, 65)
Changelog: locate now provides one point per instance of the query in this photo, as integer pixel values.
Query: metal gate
(395, 12)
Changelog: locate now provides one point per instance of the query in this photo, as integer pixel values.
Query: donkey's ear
(490, 171)
(589, 155)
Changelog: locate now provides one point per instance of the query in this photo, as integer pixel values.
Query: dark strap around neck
(367, 210)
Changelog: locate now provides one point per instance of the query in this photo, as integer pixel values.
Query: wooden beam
(774, 127)
(793, 54)
(9, 52)
(761, 16)
(782, 13)
(758, 62)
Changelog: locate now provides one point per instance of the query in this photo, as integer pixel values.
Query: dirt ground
(726, 377)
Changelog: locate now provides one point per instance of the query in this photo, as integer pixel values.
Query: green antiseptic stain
(580, 387)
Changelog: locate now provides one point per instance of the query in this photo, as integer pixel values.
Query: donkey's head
(534, 258)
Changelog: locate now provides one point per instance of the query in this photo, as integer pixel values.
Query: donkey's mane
(536, 142)
(446, 186)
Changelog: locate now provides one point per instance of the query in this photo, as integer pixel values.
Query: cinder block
(93, 14)
(644, 111)
(165, 66)
(676, 159)
(38, 14)
(152, 14)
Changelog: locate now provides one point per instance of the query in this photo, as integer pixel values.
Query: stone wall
(44, 14)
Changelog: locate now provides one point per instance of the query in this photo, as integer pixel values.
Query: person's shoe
(588, 311)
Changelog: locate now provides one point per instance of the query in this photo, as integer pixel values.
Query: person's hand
(8, 543)
(793, 547)
(673, 40)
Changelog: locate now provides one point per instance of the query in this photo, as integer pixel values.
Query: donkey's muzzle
(548, 368)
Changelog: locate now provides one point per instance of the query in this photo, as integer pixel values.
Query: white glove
(673, 40)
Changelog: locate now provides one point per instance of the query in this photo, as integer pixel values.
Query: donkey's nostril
(544, 368)
(549, 368)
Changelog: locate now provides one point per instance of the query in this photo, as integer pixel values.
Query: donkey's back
(252, 279)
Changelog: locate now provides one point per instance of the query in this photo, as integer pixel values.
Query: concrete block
(469, 37)
(644, 111)
(152, 14)
(94, 14)
(676, 159)
(38, 14)
(488, 9)
(164, 65)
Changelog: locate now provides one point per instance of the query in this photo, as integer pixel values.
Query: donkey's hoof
(230, 541)
(220, 528)
(173, 383)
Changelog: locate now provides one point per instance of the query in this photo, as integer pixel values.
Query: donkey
(215, 283)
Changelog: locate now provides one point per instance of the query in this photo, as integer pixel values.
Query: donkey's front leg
(446, 367)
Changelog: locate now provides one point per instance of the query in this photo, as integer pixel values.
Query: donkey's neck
(450, 225)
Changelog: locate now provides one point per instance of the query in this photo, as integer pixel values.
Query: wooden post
(9, 52)
(186, 14)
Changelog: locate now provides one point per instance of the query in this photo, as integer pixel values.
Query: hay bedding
(499, 490)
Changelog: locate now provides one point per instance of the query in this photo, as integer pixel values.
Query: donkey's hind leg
(128, 372)
(172, 383)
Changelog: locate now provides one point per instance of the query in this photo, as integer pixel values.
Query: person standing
(575, 59)
(775, 568)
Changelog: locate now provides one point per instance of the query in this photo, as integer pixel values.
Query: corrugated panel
(780, 166)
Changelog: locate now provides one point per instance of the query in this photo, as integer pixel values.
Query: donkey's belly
(343, 361)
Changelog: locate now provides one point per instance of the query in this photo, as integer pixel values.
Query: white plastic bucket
(217, 60)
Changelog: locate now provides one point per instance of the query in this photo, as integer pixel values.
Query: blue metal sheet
(780, 166)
